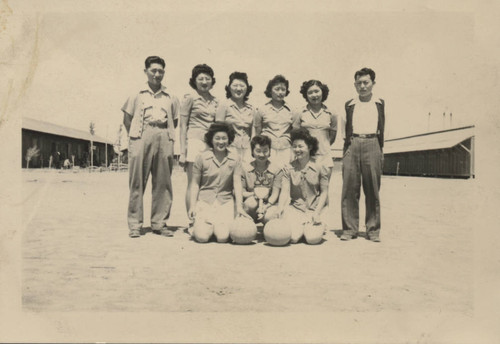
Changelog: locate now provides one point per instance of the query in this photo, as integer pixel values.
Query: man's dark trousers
(362, 163)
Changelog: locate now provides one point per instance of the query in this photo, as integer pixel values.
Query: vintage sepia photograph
(249, 172)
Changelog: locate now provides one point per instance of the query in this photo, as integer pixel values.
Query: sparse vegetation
(31, 153)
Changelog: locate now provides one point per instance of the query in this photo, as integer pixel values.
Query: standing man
(150, 117)
(363, 157)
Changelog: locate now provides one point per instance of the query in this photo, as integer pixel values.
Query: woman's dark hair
(303, 134)
(197, 70)
(363, 72)
(218, 127)
(154, 59)
(308, 84)
(238, 76)
(260, 140)
(278, 79)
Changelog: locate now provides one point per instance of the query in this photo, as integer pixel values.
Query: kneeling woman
(212, 203)
(256, 184)
(304, 187)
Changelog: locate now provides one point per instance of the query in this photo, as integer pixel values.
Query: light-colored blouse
(201, 114)
(319, 125)
(275, 124)
(306, 185)
(216, 178)
(241, 119)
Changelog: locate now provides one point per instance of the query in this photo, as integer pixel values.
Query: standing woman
(304, 187)
(211, 191)
(238, 113)
(197, 114)
(275, 120)
(320, 122)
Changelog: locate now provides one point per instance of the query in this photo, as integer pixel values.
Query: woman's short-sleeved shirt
(216, 178)
(275, 124)
(320, 125)
(306, 184)
(250, 178)
(201, 114)
(241, 119)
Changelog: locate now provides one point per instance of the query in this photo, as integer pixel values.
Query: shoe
(347, 237)
(134, 233)
(167, 232)
(375, 238)
(163, 232)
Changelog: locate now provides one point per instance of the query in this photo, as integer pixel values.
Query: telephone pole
(92, 131)
(106, 147)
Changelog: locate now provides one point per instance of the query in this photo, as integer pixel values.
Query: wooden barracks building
(446, 153)
(52, 139)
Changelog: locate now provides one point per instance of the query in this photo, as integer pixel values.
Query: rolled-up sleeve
(129, 106)
(198, 167)
(257, 122)
(186, 105)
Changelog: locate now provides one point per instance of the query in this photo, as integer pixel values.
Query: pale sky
(87, 62)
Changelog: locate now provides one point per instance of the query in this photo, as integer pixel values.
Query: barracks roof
(429, 141)
(54, 129)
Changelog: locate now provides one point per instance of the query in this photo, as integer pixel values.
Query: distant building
(446, 153)
(123, 156)
(61, 143)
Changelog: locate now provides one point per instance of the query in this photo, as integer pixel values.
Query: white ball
(243, 230)
(277, 232)
(314, 233)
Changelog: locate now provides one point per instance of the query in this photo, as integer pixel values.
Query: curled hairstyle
(363, 72)
(197, 70)
(303, 134)
(238, 76)
(260, 140)
(218, 127)
(278, 79)
(154, 59)
(308, 84)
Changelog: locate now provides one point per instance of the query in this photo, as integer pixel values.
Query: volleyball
(313, 233)
(243, 230)
(277, 232)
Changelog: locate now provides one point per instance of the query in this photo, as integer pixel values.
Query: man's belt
(365, 136)
(158, 125)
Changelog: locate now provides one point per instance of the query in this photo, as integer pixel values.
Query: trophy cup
(261, 191)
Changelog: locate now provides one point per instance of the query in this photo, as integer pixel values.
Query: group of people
(259, 163)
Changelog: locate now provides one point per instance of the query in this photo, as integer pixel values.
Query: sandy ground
(77, 255)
